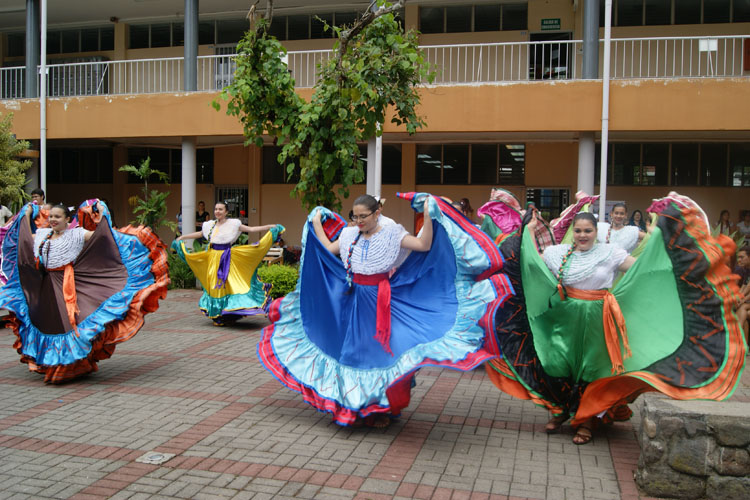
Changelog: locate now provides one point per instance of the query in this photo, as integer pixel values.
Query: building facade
(508, 108)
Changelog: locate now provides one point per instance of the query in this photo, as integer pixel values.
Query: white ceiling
(62, 13)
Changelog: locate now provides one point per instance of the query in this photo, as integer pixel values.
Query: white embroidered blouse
(61, 250)
(379, 253)
(224, 234)
(625, 238)
(594, 269)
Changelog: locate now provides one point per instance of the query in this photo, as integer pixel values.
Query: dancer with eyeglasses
(75, 293)
(373, 304)
(229, 274)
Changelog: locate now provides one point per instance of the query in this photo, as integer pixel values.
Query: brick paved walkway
(185, 387)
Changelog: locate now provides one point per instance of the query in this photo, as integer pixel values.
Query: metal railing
(463, 64)
(678, 57)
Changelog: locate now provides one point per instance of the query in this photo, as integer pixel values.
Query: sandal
(583, 434)
(555, 423)
(378, 421)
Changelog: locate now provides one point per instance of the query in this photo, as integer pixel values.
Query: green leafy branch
(12, 171)
(151, 209)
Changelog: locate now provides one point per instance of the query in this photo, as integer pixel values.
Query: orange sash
(69, 294)
(614, 322)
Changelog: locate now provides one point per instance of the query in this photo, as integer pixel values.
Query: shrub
(281, 276)
(180, 274)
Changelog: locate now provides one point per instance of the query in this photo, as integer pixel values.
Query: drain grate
(154, 458)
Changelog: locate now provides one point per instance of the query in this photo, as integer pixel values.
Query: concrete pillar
(191, 46)
(32, 49)
(586, 157)
(188, 184)
(586, 145)
(374, 166)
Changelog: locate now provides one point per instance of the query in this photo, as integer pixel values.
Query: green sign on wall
(551, 24)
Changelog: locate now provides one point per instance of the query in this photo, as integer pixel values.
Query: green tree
(151, 209)
(12, 171)
(375, 68)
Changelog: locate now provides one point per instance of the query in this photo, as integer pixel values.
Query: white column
(188, 185)
(586, 161)
(374, 166)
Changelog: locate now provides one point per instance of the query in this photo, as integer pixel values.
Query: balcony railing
(463, 64)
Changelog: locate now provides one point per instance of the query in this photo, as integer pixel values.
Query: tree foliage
(375, 69)
(12, 171)
(151, 209)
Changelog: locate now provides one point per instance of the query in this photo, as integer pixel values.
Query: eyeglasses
(357, 218)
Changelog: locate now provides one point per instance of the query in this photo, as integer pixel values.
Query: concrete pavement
(184, 387)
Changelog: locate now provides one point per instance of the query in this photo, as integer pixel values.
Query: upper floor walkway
(454, 65)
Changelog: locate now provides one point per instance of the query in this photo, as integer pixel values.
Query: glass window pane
(458, 19)
(138, 36)
(431, 19)
(16, 44)
(391, 164)
(178, 34)
(204, 166)
(298, 27)
(53, 42)
(70, 39)
(89, 39)
(231, 30)
(484, 164)
(345, 18)
(629, 12)
(658, 12)
(71, 162)
(626, 164)
(487, 18)
(206, 33)
(105, 165)
(160, 35)
(53, 166)
(316, 26)
(741, 12)
(684, 164)
(107, 38)
(739, 157)
(175, 166)
(273, 172)
(456, 164)
(512, 164)
(278, 27)
(598, 162)
(515, 16)
(716, 11)
(655, 165)
(713, 164)
(687, 12)
(428, 164)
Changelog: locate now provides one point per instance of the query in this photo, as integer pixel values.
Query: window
(16, 44)
(144, 36)
(273, 171)
(713, 164)
(491, 164)
(206, 33)
(549, 202)
(467, 18)
(739, 158)
(487, 18)
(687, 12)
(317, 26)
(169, 161)
(741, 11)
(634, 164)
(79, 166)
(139, 38)
(458, 19)
(71, 41)
(629, 12)
(298, 27)
(658, 12)
(684, 164)
(231, 30)
(716, 11)
(626, 162)
(655, 165)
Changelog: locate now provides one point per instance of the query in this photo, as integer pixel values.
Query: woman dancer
(229, 277)
(667, 326)
(724, 224)
(376, 304)
(617, 233)
(76, 293)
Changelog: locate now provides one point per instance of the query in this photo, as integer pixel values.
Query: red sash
(383, 314)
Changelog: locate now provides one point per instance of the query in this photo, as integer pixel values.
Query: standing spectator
(636, 219)
(743, 271)
(724, 225)
(201, 215)
(37, 195)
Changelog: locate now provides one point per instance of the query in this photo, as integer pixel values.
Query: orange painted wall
(552, 164)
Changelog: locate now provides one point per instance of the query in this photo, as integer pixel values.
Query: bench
(275, 255)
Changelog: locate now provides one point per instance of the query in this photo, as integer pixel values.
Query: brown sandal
(555, 423)
(583, 434)
(378, 421)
